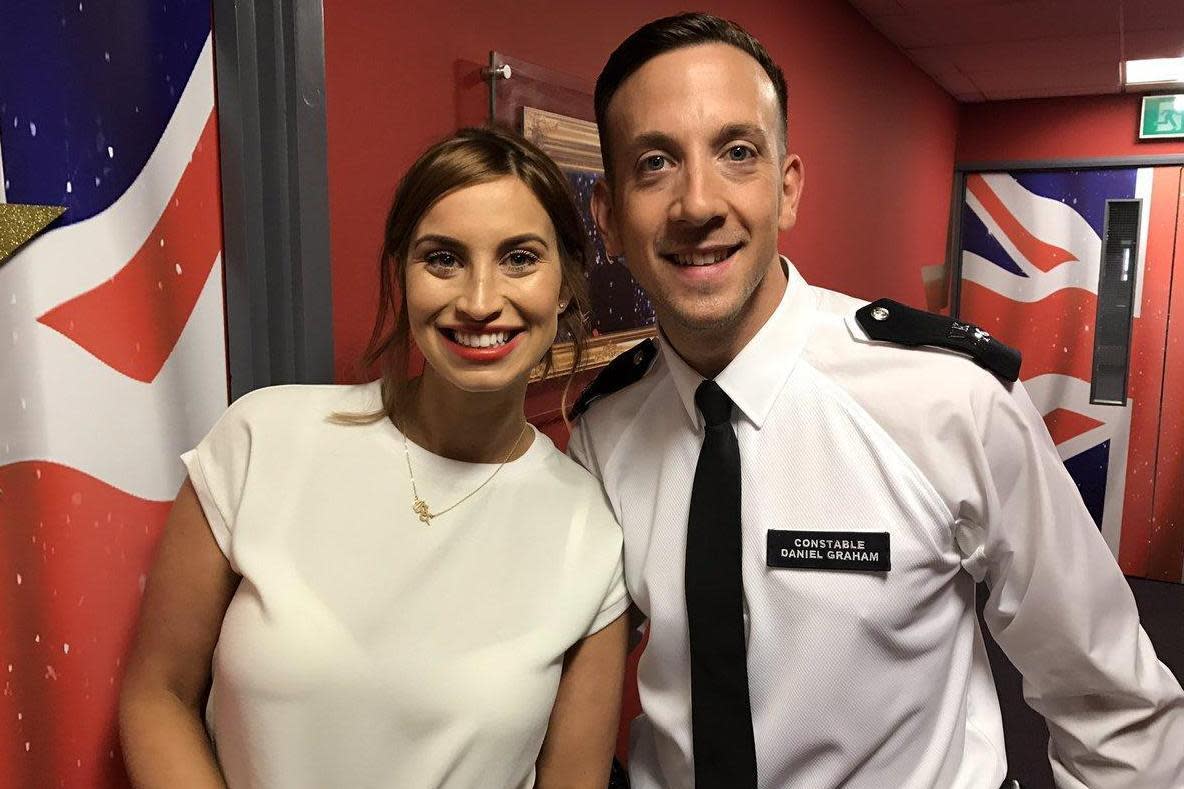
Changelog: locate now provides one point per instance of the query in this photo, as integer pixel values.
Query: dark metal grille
(1116, 295)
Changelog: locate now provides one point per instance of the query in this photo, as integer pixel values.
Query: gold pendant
(421, 509)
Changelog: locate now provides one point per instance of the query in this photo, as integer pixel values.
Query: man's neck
(708, 351)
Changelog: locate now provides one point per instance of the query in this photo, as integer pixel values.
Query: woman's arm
(168, 673)
(578, 749)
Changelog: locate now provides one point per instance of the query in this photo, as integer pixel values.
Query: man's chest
(834, 516)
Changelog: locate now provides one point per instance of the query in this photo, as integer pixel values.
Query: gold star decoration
(20, 224)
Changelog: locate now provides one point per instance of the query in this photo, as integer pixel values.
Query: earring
(562, 306)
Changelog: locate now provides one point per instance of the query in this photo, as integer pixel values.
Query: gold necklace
(420, 507)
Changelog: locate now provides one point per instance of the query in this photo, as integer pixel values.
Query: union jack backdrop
(1031, 253)
(112, 352)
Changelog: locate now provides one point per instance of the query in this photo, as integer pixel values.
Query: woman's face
(483, 283)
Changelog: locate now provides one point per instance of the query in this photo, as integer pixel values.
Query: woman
(400, 584)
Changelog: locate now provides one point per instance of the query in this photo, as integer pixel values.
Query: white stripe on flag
(59, 403)
(66, 406)
(63, 263)
(1049, 220)
(978, 269)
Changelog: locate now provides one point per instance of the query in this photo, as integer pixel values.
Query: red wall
(1067, 128)
(401, 75)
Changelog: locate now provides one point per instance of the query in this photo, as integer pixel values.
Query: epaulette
(627, 368)
(890, 321)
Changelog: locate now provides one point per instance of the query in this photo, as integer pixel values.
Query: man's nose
(699, 199)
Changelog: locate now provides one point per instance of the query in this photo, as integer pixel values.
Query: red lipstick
(492, 353)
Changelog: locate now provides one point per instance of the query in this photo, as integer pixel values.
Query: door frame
(270, 77)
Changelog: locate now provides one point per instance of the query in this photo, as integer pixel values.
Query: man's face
(701, 186)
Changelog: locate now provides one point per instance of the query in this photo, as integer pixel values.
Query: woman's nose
(481, 299)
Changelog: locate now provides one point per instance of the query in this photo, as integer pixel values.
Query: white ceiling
(987, 50)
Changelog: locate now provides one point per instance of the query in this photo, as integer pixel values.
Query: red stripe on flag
(132, 322)
(1055, 334)
(1041, 254)
(1064, 424)
(74, 552)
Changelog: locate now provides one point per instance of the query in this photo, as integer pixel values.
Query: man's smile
(703, 256)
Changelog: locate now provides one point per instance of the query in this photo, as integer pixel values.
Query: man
(807, 509)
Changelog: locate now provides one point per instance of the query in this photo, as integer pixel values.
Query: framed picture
(554, 111)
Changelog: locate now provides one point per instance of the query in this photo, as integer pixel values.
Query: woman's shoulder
(570, 482)
(560, 468)
(301, 402)
(281, 415)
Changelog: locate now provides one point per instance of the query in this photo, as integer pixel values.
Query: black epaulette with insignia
(627, 368)
(890, 321)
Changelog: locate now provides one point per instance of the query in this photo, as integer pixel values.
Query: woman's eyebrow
(441, 240)
(523, 238)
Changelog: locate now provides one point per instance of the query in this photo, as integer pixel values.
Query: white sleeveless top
(366, 649)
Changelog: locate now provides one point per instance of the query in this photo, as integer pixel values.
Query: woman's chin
(477, 380)
(472, 373)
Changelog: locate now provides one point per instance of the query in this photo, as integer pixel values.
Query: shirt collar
(755, 377)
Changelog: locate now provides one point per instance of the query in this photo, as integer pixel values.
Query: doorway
(1075, 267)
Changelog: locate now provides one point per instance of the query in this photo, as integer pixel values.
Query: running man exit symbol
(1162, 116)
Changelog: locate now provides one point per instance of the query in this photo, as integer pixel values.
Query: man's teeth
(702, 258)
(487, 340)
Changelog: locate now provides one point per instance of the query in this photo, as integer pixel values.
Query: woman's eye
(740, 153)
(441, 260)
(521, 259)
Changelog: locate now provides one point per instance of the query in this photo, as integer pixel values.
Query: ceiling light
(1155, 71)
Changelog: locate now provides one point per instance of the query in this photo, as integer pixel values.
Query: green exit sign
(1163, 116)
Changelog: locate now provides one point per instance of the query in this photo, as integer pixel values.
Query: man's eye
(521, 259)
(653, 163)
(740, 153)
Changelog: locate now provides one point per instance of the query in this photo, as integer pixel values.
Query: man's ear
(793, 176)
(606, 220)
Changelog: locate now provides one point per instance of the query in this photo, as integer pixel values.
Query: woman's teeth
(487, 340)
(702, 259)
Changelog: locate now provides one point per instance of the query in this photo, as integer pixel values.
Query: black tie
(721, 716)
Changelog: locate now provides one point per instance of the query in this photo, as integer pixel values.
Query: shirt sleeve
(605, 555)
(217, 469)
(579, 448)
(1062, 612)
(616, 601)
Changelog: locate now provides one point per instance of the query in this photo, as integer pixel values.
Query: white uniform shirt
(868, 679)
(366, 649)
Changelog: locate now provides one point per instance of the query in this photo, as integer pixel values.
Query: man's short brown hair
(668, 34)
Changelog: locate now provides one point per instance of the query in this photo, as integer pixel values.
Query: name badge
(829, 550)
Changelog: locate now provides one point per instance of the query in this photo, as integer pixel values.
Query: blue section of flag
(977, 239)
(1085, 191)
(86, 90)
(1088, 470)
